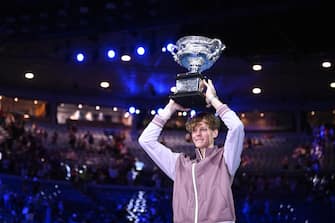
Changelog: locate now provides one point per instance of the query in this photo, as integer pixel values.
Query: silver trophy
(195, 53)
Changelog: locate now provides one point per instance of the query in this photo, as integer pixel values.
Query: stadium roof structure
(290, 39)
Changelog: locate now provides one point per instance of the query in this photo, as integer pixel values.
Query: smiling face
(202, 136)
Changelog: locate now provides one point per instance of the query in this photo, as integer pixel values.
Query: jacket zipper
(195, 194)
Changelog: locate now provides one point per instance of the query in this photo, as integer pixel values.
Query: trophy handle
(220, 47)
(174, 54)
(172, 49)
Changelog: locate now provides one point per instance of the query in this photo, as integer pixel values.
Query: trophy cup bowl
(196, 54)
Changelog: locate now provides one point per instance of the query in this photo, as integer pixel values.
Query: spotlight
(257, 67)
(140, 51)
(126, 115)
(29, 75)
(110, 54)
(80, 57)
(326, 64)
(125, 58)
(104, 84)
(256, 90)
(132, 110)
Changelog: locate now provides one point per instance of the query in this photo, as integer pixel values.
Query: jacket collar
(209, 151)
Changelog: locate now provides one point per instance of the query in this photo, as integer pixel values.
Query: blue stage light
(80, 57)
(110, 54)
(132, 110)
(140, 50)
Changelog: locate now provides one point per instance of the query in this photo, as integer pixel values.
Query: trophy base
(193, 99)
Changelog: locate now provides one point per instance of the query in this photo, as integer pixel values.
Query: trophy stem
(195, 68)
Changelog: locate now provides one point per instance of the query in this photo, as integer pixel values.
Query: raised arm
(233, 145)
(164, 158)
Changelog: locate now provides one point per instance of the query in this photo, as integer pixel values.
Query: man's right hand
(177, 107)
(171, 108)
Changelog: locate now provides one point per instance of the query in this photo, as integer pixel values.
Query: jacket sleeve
(233, 145)
(164, 158)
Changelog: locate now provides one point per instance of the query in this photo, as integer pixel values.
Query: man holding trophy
(202, 187)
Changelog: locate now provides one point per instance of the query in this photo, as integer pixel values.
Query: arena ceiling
(289, 38)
